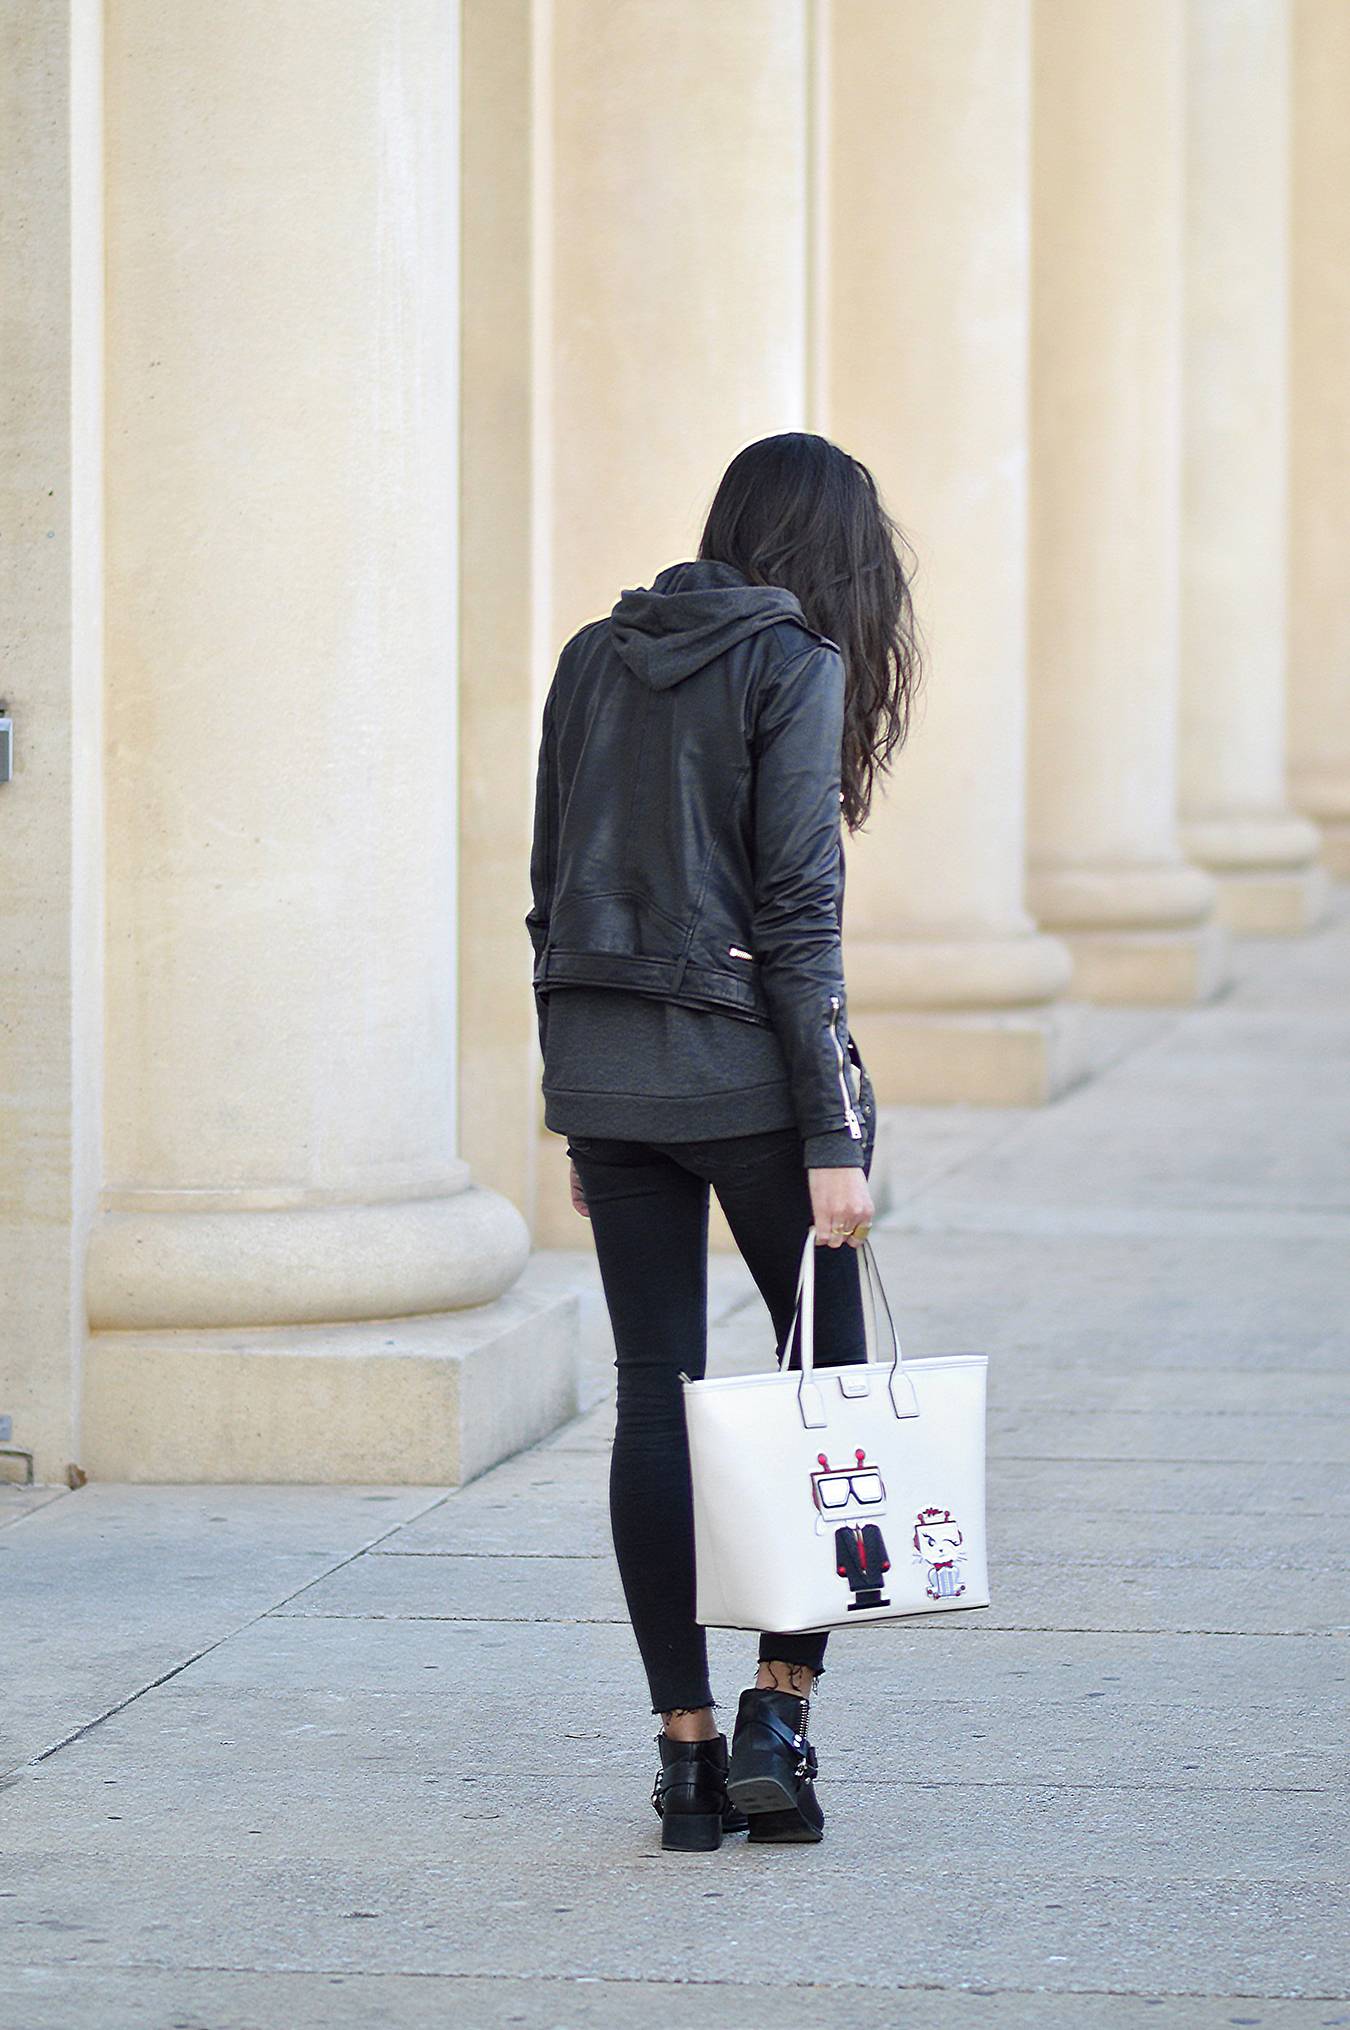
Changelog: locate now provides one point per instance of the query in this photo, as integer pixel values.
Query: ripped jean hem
(773, 1655)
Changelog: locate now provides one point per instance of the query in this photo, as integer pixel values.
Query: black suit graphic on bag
(860, 1555)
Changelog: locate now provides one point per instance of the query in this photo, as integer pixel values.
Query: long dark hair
(796, 510)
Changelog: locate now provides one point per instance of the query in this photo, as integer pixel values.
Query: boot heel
(759, 1786)
(692, 1832)
(690, 1794)
(771, 1777)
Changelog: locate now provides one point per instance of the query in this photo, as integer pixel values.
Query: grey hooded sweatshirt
(628, 1066)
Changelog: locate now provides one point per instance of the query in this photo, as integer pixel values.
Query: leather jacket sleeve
(544, 850)
(796, 743)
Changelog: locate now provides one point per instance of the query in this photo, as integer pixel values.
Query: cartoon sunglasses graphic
(837, 1487)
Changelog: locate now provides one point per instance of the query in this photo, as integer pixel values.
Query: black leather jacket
(687, 835)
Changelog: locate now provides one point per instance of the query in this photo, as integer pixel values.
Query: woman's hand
(840, 1200)
(578, 1195)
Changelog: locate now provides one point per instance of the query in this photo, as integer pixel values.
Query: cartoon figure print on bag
(849, 1497)
(937, 1544)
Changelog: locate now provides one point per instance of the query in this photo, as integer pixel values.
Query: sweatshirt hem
(699, 1117)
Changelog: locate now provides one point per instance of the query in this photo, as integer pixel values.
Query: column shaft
(924, 295)
(1236, 818)
(281, 540)
(504, 586)
(51, 682)
(1106, 867)
(1319, 505)
(679, 273)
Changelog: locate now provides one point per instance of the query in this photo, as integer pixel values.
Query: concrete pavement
(326, 1757)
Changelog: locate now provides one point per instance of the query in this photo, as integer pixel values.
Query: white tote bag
(831, 1496)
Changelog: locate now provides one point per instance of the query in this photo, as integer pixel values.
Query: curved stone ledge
(303, 1265)
(1239, 844)
(914, 974)
(1324, 793)
(1159, 896)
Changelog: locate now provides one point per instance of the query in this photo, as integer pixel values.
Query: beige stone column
(1319, 504)
(675, 298)
(293, 1276)
(922, 323)
(677, 211)
(51, 677)
(503, 580)
(1107, 870)
(1236, 816)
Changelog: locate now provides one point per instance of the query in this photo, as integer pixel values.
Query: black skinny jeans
(648, 1204)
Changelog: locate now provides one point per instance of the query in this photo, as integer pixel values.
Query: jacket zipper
(850, 1116)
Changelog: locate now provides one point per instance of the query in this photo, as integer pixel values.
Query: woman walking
(701, 744)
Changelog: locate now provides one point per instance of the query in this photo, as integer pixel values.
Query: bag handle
(804, 1306)
(903, 1399)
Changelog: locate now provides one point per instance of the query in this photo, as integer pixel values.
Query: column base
(946, 1019)
(1265, 868)
(1336, 848)
(1018, 1057)
(160, 1259)
(1140, 933)
(427, 1401)
(1148, 968)
(1279, 903)
(921, 972)
(1323, 795)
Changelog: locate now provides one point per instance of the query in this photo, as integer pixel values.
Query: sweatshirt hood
(691, 613)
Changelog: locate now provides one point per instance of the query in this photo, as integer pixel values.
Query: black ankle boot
(690, 1794)
(773, 1768)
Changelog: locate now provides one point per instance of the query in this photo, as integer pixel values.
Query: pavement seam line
(52, 1494)
(765, 1988)
(621, 1621)
(10, 1776)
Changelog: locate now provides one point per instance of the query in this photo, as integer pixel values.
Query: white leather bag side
(836, 1495)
